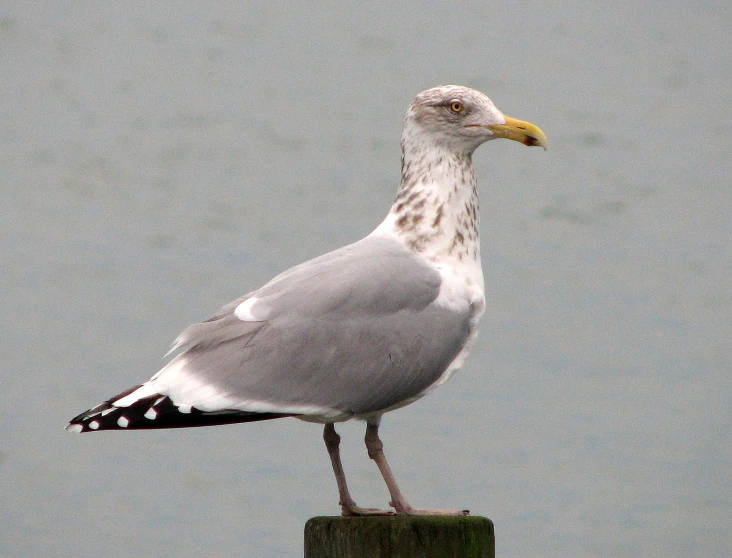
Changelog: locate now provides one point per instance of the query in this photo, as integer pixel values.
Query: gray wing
(355, 331)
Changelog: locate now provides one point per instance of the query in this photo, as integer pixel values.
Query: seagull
(357, 332)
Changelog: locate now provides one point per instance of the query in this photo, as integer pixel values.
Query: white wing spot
(151, 414)
(245, 311)
(122, 421)
(93, 425)
(105, 412)
(76, 428)
(185, 409)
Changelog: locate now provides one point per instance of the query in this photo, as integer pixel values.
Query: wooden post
(400, 537)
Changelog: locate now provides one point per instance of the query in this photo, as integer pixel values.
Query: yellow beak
(518, 130)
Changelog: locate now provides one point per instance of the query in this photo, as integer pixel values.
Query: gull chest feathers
(357, 332)
(436, 216)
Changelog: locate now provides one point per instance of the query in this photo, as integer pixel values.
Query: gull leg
(348, 506)
(376, 452)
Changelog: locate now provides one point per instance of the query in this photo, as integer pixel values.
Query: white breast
(462, 290)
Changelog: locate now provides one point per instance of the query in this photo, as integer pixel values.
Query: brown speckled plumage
(424, 214)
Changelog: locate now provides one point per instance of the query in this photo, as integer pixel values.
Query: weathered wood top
(399, 537)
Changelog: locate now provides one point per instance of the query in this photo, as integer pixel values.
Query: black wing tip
(157, 412)
(194, 419)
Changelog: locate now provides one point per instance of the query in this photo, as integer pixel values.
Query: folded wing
(354, 332)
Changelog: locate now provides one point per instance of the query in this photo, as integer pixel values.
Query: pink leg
(348, 506)
(376, 452)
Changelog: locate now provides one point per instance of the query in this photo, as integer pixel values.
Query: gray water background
(159, 159)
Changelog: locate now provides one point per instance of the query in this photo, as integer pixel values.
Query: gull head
(460, 119)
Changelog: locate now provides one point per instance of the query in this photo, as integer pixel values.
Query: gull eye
(456, 107)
